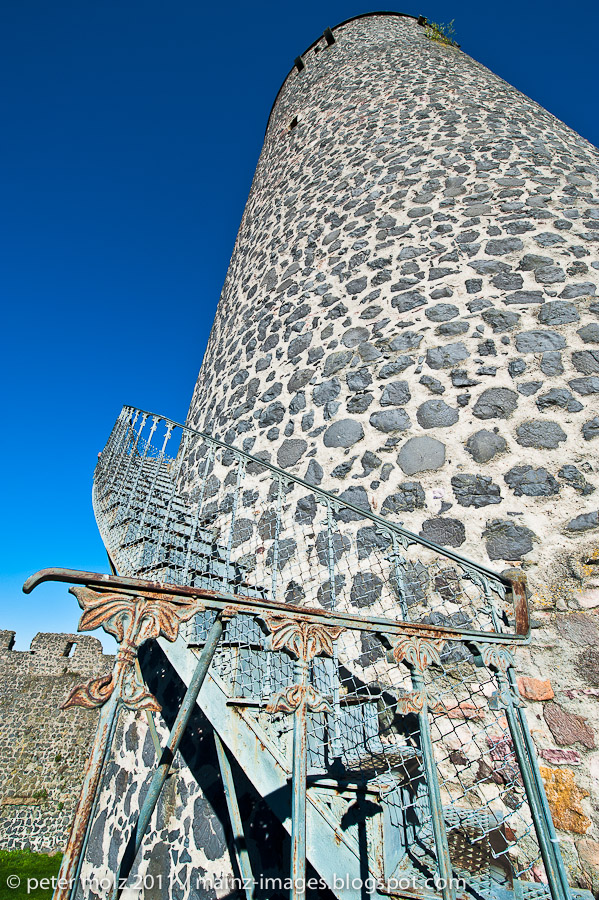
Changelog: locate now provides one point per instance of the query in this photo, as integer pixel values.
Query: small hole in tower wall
(69, 650)
(293, 123)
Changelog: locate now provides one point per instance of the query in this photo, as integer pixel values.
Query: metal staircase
(361, 676)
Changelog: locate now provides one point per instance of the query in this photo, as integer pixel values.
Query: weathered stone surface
(442, 312)
(436, 414)
(572, 757)
(299, 344)
(532, 261)
(358, 380)
(421, 454)
(524, 297)
(586, 361)
(390, 420)
(558, 312)
(590, 429)
(328, 390)
(540, 433)
(475, 490)
(300, 379)
(366, 589)
(314, 473)
(580, 629)
(574, 477)
(500, 320)
(565, 800)
(272, 414)
(558, 397)
(357, 496)
(447, 532)
(407, 301)
(568, 728)
(585, 386)
(531, 482)
(354, 336)
(584, 289)
(589, 333)
(343, 433)
(449, 355)
(507, 540)
(549, 274)
(584, 522)
(501, 246)
(535, 688)
(433, 384)
(336, 361)
(396, 393)
(290, 452)
(539, 341)
(495, 403)
(409, 497)
(551, 363)
(484, 445)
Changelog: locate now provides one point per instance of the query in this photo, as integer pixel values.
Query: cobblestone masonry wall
(43, 748)
(409, 319)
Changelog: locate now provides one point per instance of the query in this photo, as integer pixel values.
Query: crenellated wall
(43, 748)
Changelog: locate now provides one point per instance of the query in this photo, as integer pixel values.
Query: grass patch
(25, 865)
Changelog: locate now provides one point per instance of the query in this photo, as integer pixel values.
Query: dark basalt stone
(584, 522)
(475, 490)
(397, 393)
(500, 320)
(421, 454)
(484, 445)
(539, 341)
(540, 433)
(558, 312)
(290, 452)
(590, 429)
(436, 414)
(390, 420)
(443, 531)
(507, 540)
(495, 403)
(531, 482)
(586, 361)
(366, 589)
(409, 497)
(444, 357)
(343, 433)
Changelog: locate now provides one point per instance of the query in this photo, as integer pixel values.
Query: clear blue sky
(130, 133)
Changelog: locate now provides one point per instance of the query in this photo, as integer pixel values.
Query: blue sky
(130, 135)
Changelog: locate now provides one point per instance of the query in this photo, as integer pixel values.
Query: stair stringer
(331, 851)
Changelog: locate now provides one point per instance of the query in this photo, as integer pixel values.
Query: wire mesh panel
(174, 505)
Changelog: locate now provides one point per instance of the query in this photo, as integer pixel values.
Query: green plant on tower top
(442, 34)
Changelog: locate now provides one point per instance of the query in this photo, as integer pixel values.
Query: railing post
(172, 745)
(70, 868)
(500, 661)
(298, 786)
(417, 653)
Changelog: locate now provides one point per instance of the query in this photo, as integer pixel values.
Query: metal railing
(177, 505)
(373, 669)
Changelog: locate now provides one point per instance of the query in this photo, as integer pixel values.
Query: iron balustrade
(373, 669)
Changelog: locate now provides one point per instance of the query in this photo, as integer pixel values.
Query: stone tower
(408, 320)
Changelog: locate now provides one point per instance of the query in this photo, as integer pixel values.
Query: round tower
(409, 320)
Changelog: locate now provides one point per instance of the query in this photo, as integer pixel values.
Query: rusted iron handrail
(221, 599)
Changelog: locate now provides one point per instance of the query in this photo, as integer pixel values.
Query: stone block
(535, 688)
(565, 799)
